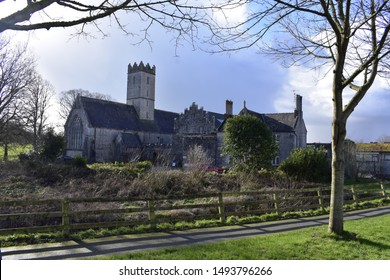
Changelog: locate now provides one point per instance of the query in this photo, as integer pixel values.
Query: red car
(215, 169)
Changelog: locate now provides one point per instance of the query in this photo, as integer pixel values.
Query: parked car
(215, 169)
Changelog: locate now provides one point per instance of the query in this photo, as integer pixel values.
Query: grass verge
(50, 237)
(366, 239)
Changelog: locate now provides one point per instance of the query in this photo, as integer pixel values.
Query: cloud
(232, 14)
(368, 122)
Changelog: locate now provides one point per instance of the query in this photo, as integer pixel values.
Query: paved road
(139, 242)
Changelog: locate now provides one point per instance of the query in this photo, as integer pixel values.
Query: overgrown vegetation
(76, 179)
(37, 179)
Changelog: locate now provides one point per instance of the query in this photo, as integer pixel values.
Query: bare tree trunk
(339, 133)
(5, 157)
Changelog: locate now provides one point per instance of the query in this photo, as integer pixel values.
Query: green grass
(20, 239)
(363, 240)
(14, 150)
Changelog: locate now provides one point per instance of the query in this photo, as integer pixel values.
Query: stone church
(106, 131)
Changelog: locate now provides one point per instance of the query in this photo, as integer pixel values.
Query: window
(75, 139)
(147, 80)
(276, 161)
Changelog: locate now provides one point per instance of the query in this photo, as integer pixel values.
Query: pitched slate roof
(278, 122)
(113, 115)
(219, 118)
(130, 140)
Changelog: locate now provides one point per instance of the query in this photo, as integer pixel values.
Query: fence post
(276, 203)
(221, 208)
(152, 213)
(354, 194)
(383, 191)
(320, 199)
(65, 216)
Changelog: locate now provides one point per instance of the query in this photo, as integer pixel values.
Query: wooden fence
(69, 214)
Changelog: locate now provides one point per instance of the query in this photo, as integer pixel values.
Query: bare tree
(183, 17)
(384, 139)
(68, 97)
(36, 102)
(16, 68)
(197, 157)
(349, 38)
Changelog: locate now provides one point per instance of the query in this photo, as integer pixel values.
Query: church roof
(278, 122)
(113, 115)
(219, 118)
(130, 140)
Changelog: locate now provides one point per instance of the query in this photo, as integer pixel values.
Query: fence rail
(25, 216)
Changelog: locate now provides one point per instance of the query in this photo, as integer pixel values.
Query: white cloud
(231, 15)
(367, 122)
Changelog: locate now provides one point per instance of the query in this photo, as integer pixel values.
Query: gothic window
(276, 161)
(75, 134)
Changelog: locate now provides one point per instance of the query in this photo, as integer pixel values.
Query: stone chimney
(229, 108)
(298, 106)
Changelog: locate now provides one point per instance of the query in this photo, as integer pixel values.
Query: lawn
(366, 239)
(14, 150)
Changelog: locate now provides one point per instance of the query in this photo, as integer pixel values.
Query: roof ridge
(165, 111)
(285, 113)
(103, 100)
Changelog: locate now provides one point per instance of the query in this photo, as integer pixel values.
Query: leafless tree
(68, 97)
(182, 17)
(384, 139)
(36, 102)
(349, 39)
(197, 158)
(16, 68)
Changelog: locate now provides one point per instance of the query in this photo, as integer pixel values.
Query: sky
(185, 75)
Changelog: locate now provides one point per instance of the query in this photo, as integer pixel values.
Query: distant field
(14, 151)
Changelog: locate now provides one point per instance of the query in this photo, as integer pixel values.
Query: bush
(130, 168)
(308, 164)
(53, 145)
(79, 161)
(248, 143)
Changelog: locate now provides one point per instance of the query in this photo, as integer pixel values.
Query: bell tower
(141, 83)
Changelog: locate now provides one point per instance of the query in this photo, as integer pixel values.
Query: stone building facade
(105, 131)
(373, 159)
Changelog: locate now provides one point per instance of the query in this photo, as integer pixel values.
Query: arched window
(75, 140)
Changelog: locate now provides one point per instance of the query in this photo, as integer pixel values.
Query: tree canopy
(249, 143)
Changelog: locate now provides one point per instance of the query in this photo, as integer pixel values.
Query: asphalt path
(150, 241)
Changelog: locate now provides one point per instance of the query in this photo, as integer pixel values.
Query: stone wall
(194, 120)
